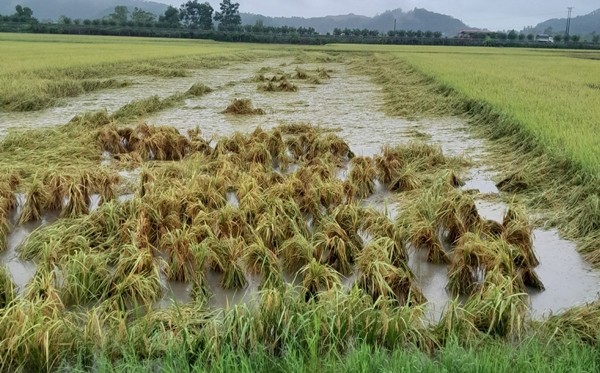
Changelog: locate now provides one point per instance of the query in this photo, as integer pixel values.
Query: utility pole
(569, 21)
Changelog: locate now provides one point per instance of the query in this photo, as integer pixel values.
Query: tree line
(197, 21)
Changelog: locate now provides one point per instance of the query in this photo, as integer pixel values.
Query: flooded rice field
(349, 104)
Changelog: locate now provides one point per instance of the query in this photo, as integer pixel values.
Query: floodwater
(349, 104)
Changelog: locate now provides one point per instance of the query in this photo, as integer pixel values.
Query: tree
(512, 35)
(521, 37)
(596, 39)
(575, 38)
(64, 20)
(120, 15)
(229, 16)
(170, 18)
(530, 37)
(196, 15)
(206, 16)
(22, 14)
(142, 17)
(557, 38)
(259, 26)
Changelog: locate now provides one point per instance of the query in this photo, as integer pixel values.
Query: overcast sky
(496, 15)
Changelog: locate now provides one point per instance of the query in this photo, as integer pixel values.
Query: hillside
(417, 19)
(51, 10)
(581, 25)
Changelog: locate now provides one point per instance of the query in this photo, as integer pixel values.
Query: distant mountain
(416, 19)
(90, 9)
(580, 25)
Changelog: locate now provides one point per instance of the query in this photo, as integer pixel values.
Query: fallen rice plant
(233, 209)
(243, 107)
(198, 89)
(362, 175)
(283, 86)
(7, 288)
(32, 209)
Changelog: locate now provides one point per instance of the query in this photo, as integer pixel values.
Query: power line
(569, 21)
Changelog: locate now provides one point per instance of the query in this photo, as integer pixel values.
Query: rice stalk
(499, 308)
(44, 287)
(283, 86)
(8, 200)
(136, 278)
(7, 288)
(198, 89)
(233, 272)
(405, 180)
(260, 260)
(200, 288)
(35, 337)
(318, 277)
(458, 215)
(519, 233)
(334, 246)
(296, 252)
(470, 258)
(78, 198)
(85, 278)
(32, 209)
(55, 183)
(362, 175)
(242, 107)
(379, 226)
(177, 246)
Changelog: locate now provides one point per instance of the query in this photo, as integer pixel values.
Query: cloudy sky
(507, 14)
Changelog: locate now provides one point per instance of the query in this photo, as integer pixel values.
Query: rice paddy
(177, 229)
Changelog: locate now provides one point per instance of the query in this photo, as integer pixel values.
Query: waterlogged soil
(347, 103)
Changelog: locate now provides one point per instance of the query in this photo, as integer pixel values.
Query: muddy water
(22, 271)
(113, 99)
(350, 104)
(568, 279)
